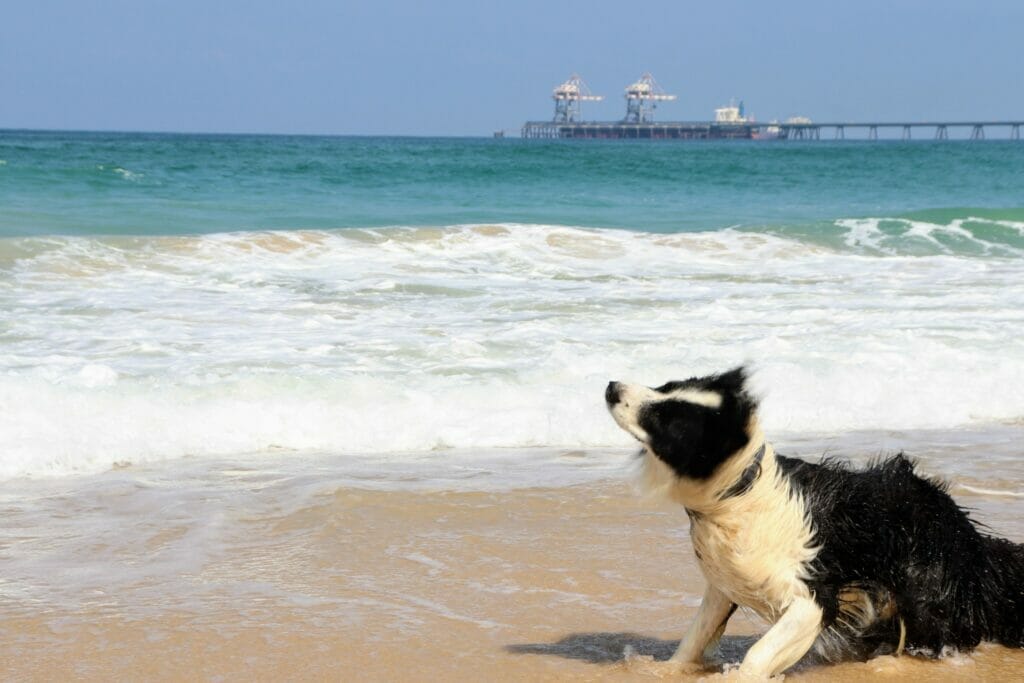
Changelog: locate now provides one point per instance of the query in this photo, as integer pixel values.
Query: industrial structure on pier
(730, 122)
(642, 98)
(569, 98)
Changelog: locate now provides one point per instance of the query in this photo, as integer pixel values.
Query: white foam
(96, 375)
(128, 175)
(896, 236)
(381, 341)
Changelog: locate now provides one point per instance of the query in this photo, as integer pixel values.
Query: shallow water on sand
(314, 568)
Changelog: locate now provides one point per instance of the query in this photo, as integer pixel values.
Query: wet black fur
(883, 530)
(902, 538)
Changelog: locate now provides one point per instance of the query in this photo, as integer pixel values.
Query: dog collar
(748, 476)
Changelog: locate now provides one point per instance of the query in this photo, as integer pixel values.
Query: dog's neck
(748, 476)
(735, 482)
(730, 485)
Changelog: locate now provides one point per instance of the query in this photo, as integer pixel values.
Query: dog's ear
(734, 381)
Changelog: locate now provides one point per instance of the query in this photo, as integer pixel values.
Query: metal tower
(641, 99)
(568, 98)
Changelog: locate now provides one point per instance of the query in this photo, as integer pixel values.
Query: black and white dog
(850, 562)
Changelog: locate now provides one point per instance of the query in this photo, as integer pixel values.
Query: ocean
(209, 339)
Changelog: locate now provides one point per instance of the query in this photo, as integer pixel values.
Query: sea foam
(485, 336)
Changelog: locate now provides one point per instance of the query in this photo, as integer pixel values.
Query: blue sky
(468, 68)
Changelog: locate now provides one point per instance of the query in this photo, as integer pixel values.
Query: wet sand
(286, 579)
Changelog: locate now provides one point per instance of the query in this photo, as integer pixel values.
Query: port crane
(641, 99)
(569, 97)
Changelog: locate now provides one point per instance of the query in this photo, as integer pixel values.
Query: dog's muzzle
(624, 403)
(611, 394)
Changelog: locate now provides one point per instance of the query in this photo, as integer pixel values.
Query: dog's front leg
(707, 628)
(786, 641)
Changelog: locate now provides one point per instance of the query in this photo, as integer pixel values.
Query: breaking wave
(416, 339)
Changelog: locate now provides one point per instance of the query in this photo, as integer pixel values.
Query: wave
(485, 336)
(969, 236)
(966, 232)
(962, 232)
(103, 420)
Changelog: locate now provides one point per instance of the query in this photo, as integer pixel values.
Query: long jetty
(939, 129)
(795, 130)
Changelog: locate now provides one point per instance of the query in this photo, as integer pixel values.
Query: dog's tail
(1002, 583)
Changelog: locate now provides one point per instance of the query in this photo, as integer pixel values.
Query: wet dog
(852, 563)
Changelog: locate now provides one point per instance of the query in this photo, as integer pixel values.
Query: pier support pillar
(978, 132)
(906, 132)
(1015, 131)
(872, 132)
(840, 133)
(941, 133)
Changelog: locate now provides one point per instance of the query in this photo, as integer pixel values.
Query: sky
(471, 67)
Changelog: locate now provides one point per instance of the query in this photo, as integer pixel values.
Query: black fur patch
(901, 538)
(693, 439)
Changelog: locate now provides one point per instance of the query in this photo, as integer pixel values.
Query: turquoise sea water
(137, 184)
(200, 295)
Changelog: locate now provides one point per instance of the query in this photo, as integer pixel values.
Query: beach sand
(588, 582)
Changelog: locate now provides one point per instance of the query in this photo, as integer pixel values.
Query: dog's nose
(611, 394)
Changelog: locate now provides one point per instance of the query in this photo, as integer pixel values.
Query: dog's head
(693, 426)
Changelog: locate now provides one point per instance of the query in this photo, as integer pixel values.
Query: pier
(696, 130)
(730, 123)
(750, 130)
(936, 130)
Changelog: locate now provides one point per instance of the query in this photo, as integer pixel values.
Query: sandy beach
(262, 570)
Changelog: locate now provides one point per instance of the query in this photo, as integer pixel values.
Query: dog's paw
(648, 666)
(734, 673)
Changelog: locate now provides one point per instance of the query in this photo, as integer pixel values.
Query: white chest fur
(756, 547)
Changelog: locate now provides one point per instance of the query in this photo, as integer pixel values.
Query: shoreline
(951, 453)
(281, 575)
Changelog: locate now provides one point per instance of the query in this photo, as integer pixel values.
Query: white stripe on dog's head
(693, 426)
(633, 397)
(708, 399)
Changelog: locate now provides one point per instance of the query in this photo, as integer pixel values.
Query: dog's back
(899, 541)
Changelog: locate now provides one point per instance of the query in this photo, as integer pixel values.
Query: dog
(849, 563)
